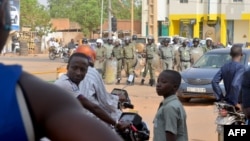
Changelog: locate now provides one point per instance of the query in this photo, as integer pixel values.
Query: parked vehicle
(196, 81)
(227, 115)
(138, 130)
(14, 14)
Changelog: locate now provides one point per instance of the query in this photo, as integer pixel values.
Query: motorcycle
(227, 115)
(62, 53)
(138, 129)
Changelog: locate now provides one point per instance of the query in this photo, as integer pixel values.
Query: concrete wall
(241, 35)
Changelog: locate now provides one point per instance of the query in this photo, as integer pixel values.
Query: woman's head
(5, 22)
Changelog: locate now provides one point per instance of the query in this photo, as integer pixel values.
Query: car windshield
(214, 60)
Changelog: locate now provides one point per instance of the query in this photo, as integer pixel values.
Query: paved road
(200, 113)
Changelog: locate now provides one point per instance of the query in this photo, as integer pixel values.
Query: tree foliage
(35, 16)
(88, 12)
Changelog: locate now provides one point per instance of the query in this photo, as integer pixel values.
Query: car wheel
(184, 99)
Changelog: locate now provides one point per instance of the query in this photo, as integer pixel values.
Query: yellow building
(222, 20)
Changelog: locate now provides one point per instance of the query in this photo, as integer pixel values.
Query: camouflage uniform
(176, 65)
(167, 56)
(109, 48)
(149, 50)
(118, 54)
(129, 57)
(185, 57)
(100, 58)
(196, 53)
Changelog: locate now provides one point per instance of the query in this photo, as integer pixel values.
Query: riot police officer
(149, 54)
(196, 50)
(129, 53)
(100, 56)
(176, 46)
(134, 38)
(117, 52)
(166, 54)
(185, 55)
(209, 44)
(108, 47)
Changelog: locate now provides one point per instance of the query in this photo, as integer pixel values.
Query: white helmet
(118, 40)
(208, 38)
(99, 41)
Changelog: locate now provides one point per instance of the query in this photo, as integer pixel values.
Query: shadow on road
(199, 102)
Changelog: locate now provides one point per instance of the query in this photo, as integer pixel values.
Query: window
(183, 1)
(238, 0)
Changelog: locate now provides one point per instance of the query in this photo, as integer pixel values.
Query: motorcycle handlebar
(128, 105)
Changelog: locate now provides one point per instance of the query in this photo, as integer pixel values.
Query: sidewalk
(11, 54)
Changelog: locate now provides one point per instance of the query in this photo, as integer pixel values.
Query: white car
(14, 14)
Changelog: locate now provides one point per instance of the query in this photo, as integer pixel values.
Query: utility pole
(101, 20)
(109, 18)
(132, 17)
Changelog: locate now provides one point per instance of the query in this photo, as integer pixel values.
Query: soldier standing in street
(209, 45)
(185, 55)
(129, 63)
(166, 54)
(176, 46)
(134, 38)
(118, 54)
(109, 47)
(100, 55)
(149, 51)
(196, 51)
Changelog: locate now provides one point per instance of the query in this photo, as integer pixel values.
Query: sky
(43, 2)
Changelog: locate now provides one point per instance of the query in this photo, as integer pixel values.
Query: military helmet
(209, 39)
(99, 41)
(134, 37)
(196, 40)
(166, 40)
(110, 38)
(127, 38)
(150, 37)
(118, 40)
(85, 40)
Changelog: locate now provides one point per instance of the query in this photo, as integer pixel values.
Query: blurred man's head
(77, 67)
(5, 22)
(236, 51)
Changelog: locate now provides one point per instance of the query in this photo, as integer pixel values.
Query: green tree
(35, 16)
(88, 12)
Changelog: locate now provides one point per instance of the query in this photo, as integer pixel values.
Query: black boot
(142, 81)
(152, 82)
(118, 81)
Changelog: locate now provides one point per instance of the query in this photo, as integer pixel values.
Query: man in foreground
(232, 74)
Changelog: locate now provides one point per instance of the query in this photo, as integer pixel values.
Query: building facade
(222, 20)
